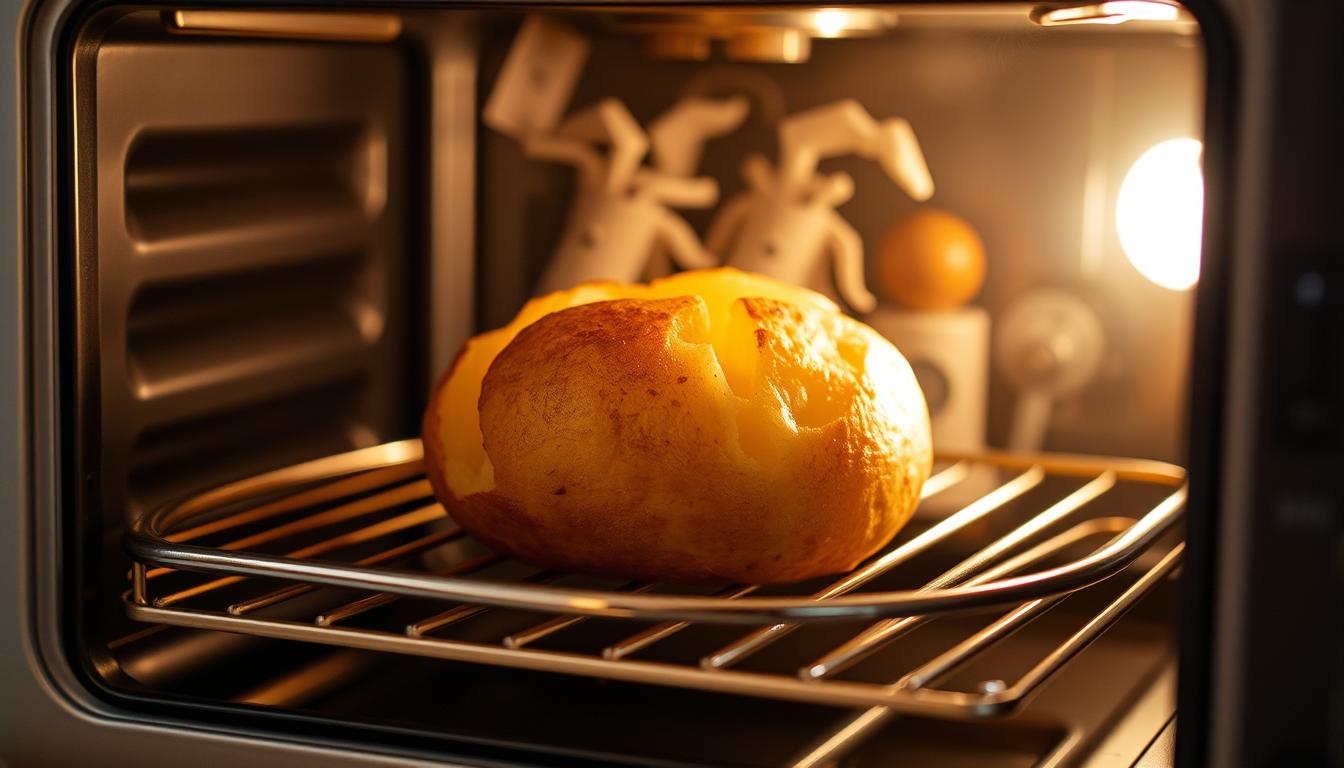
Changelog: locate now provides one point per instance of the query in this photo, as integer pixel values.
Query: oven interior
(285, 223)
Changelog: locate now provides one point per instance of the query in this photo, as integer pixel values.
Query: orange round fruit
(931, 259)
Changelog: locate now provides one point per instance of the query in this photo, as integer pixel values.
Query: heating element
(330, 530)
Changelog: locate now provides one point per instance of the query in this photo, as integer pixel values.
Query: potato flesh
(733, 355)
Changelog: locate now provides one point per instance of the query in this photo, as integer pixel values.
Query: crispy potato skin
(621, 446)
(430, 429)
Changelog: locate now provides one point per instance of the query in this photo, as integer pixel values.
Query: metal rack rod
(395, 457)
(921, 701)
(945, 478)
(414, 547)
(940, 481)
(1093, 629)
(946, 662)
(451, 616)
(838, 693)
(867, 642)
(981, 641)
(754, 641)
(467, 610)
(368, 603)
(339, 489)
(549, 627)
(874, 637)
(646, 637)
(858, 729)
(1014, 570)
(369, 505)
(1076, 574)
(382, 528)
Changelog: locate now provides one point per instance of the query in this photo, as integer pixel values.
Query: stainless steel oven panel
(48, 717)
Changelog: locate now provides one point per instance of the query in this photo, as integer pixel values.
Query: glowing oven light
(830, 22)
(1159, 213)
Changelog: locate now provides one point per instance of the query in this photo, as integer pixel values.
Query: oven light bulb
(1159, 213)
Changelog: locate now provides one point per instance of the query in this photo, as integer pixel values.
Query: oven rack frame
(1005, 573)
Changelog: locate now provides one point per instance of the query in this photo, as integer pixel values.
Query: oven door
(1268, 441)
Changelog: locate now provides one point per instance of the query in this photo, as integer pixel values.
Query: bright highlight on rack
(1159, 214)
(1112, 12)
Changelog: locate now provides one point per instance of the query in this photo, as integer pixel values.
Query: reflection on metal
(413, 547)
(1025, 572)
(777, 35)
(678, 44)
(912, 700)
(357, 27)
(147, 542)
(971, 513)
(875, 637)
(1107, 12)
(307, 682)
(790, 46)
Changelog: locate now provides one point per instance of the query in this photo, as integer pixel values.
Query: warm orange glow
(470, 470)
(831, 22)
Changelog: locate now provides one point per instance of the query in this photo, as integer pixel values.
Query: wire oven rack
(367, 510)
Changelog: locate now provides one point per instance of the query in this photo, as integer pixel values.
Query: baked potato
(712, 426)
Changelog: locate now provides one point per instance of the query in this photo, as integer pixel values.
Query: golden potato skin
(621, 444)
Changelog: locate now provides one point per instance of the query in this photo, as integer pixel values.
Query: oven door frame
(53, 710)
